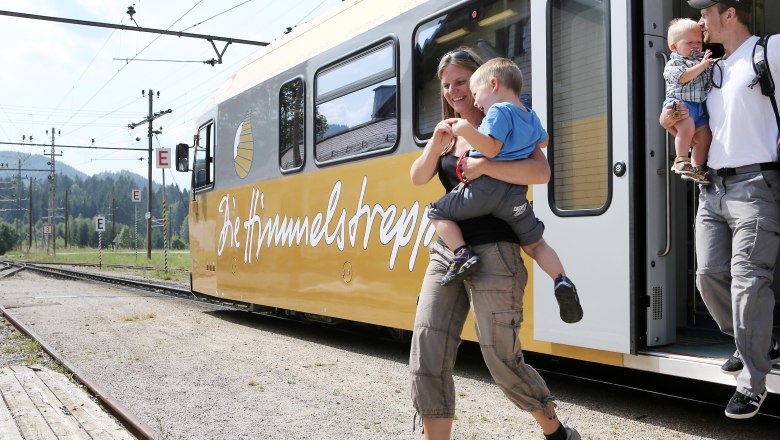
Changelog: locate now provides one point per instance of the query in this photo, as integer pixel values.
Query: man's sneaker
(742, 406)
(734, 365)
(463, 263)
(568, 301)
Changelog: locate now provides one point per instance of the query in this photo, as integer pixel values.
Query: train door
(674, 314)
(584, 51)
(202, 226)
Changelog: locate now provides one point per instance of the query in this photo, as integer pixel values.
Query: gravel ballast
(193, 371)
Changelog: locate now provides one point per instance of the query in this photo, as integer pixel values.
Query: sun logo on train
(243, 148)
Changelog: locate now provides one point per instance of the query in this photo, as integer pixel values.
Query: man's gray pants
(737, 239)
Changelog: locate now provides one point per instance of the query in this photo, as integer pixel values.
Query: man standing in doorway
(738, 220)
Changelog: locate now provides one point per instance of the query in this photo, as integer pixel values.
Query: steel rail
(129, 420)
(188, 295)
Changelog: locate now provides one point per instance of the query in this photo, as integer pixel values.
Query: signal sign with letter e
(100, 224)
(163, 158)
(136, 195)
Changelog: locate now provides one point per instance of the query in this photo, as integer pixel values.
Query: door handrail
(668, 246)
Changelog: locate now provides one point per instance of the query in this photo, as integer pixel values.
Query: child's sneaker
(698, 175)
(463, 263)
(682, 165)
(568, 301)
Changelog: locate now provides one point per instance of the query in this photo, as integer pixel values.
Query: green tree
(184, 230)
(8, 237)
(177, 244)
(126, 237)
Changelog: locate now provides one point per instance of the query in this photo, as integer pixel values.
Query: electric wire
(215, 16)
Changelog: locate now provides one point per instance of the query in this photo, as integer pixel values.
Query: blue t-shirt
(520, 130)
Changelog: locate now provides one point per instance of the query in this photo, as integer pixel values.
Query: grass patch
(179, 262)
(134, 318)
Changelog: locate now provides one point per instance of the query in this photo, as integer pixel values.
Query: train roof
(328, 30)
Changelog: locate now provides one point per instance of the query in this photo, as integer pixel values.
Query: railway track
(660, 386)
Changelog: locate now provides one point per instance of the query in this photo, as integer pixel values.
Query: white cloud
(65, 76)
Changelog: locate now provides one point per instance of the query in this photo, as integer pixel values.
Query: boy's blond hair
(678, 28)
(502, 69)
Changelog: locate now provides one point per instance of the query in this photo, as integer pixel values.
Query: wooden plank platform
(39, 404)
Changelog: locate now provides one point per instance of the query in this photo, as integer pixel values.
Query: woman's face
(455, 88)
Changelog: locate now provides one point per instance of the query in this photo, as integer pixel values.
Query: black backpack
(764, 74)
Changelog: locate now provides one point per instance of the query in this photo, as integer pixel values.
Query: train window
(491, 28)
(203, 165)
(355, 108)
(579, 106)
(291, 125)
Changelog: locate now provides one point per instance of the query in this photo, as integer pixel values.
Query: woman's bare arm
(425, 167)
(530, 171)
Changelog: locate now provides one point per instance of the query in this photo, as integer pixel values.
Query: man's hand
(668, 119)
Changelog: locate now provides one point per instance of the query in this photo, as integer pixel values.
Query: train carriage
(302, 200)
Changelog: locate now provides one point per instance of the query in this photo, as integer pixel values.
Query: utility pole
(52, 203)
(149, 119)
(19, 204)
(113, 223)
(30, 231)
(67, 225)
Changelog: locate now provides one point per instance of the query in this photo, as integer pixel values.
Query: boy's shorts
(500, 199)
(696, 110)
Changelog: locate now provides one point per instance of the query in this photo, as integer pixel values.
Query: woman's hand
(425, 167)
(530, 171)
(473, 167)
(670, 116)
(442, 136)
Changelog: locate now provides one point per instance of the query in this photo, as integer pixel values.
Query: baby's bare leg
(682, 142)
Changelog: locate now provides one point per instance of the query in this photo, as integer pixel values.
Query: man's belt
(754, 168)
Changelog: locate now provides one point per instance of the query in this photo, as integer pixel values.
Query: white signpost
(100, 227)
(135, 196)
(164, 161)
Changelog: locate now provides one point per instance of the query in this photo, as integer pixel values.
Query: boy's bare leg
(545, 257)
(449, 231)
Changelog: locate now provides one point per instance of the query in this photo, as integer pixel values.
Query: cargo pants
(737, 239)
(494, 293)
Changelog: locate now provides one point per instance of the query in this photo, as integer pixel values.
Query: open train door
(583, 49)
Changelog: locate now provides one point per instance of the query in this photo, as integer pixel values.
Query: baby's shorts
(696, 110)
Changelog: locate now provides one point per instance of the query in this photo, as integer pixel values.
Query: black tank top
(478, 230)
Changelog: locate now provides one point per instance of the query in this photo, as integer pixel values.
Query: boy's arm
(483, 143)
(692, 72)
(530, 171)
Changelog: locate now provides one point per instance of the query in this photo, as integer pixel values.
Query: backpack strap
(764, 74)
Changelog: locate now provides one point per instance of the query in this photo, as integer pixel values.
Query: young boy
(509, 131)
(688, 77)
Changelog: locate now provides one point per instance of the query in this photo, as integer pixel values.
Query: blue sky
(74, 78)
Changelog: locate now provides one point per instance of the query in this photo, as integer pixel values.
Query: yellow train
(300, 173)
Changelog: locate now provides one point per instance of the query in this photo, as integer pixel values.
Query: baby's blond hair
(678, 28)
(502, 69)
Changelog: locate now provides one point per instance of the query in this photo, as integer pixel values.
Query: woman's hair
(464, 57)
(678, 28)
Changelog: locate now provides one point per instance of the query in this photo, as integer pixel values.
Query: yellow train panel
(355, 237)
